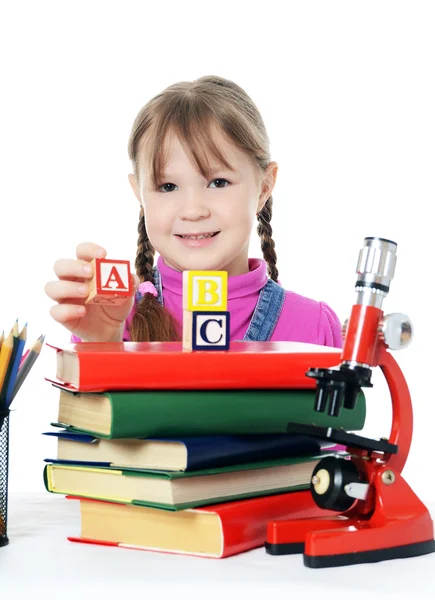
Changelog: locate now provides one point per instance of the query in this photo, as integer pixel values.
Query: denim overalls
(266, 313)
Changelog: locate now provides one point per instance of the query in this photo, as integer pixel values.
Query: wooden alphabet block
(206, 330)
(111, 283)
(205, 290)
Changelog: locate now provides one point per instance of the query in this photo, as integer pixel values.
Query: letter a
(114, 280)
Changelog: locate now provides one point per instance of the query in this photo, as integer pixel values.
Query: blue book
(182, 454)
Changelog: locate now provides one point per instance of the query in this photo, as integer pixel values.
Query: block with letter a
(111, 283)
(206, 322)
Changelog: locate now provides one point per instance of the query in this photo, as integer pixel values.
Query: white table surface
(39, 560)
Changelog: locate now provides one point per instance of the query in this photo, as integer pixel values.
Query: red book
(215, 531)
(101, 366)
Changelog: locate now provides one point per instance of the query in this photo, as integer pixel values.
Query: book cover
(101, 366)
(182, 454)
(180, 490)
(127, 414)
(215, 531)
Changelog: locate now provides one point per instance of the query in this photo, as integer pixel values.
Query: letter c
(203, 330)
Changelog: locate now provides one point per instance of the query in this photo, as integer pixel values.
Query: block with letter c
(206, 330)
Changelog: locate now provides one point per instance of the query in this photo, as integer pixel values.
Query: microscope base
(399, 526)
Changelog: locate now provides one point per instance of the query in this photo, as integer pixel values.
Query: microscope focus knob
(331, 479)
(396, 330)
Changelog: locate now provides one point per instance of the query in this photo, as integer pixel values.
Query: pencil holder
(4, 465)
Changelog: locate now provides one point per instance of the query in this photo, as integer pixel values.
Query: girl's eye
(167, 187)
(219, 182)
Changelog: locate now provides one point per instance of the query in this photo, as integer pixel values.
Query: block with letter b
(205, 290)
(206, 330)
(111, 283)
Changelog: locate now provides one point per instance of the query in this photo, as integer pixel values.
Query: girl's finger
(67, 312)
(74, 291)
(87, 251)
(135, 281)
(73, 270)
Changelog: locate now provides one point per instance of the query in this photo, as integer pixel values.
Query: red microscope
(379, 517)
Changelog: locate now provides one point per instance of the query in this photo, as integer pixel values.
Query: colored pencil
(24, 370)
(23, 358)
(15, 362)
(5, 358)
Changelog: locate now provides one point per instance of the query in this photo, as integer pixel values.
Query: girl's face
(199, 224)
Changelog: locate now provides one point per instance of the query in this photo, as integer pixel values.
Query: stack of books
(187, 452)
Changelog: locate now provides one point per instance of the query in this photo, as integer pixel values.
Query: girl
(201, 173)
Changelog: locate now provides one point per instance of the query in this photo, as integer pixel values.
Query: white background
(347, 93)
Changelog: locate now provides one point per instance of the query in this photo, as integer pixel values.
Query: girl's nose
(194, 207)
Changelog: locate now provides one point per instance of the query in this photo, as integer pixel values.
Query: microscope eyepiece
(376, 264)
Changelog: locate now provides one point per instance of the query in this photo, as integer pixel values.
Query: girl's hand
(90, 322)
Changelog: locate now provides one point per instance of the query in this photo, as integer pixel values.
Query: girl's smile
(198, 240)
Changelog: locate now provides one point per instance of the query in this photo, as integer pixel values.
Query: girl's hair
(190, 110)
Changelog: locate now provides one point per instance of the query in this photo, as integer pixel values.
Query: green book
(161, 413)
(181, 490)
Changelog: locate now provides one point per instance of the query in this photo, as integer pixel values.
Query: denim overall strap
(158, 284)
(266, 313)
